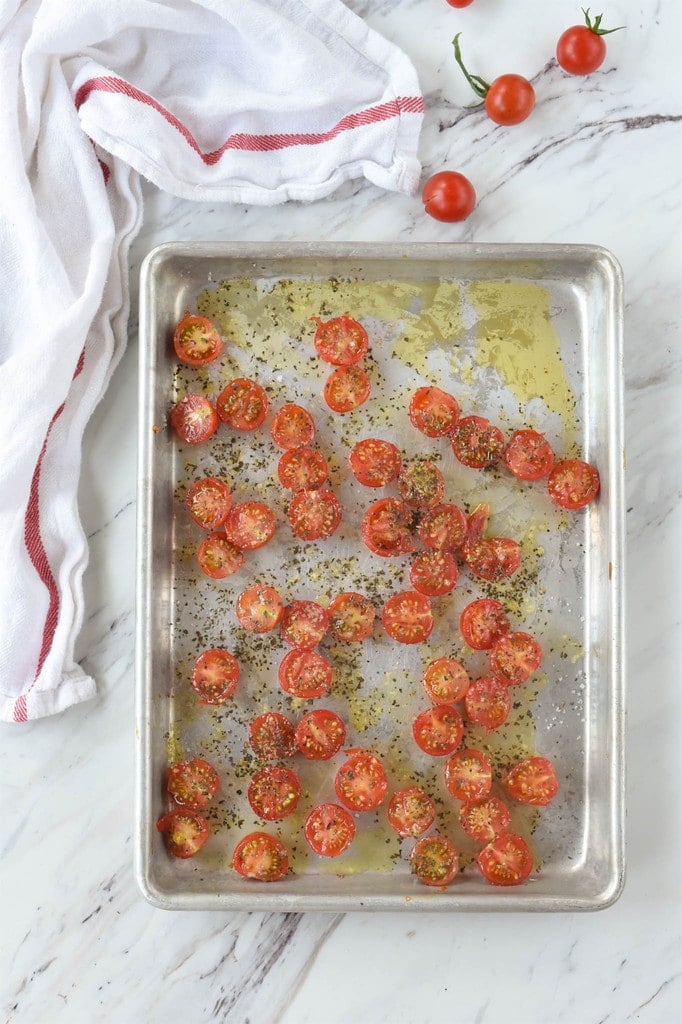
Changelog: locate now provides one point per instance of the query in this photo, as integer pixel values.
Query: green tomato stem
(478, 84)
(595, 26)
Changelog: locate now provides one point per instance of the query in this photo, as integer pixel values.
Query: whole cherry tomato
(581, 48)
(459, 3)
(448, 196)
(508, 100)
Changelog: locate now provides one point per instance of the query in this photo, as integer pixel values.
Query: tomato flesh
(468, 774)
(375, 463)
(573, 484)
(261, 857)
(488, 703)
(304, 624)
(243, 404)
(477, 443)
(507, 860)
(387, 527)
(208, 502)
(218, 557)
(292, 427)
(329, 830)
(484, 819)
(314, 515)
(483, 622)
(259, 608)
(305, 674)
(341, 341)
(434, 573)
(274, 793)
(351, 617)
(448, 196)
(215, 676)
(532, 781)
(407, 617)
(250, 525)
(411, 811)
(443, 528)
(439, 730)
(320, 734)
(192, 784)
(184, 833)
(347, 389)
(445, 681)
(421, 484)
(433, 412)
(494, 558)
(515, 657)
(272, 736)
(302, 469)
(194, 419)
(434, 860)
(196, 340)
(361, 782)
(528, 455)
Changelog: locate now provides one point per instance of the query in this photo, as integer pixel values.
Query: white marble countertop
(598, 162)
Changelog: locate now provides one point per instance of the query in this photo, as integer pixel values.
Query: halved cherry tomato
(272, 736)
(305, 674)
(320, 734)
(421, 484)
(274, 793)
(508, 100)
(304, 624)
(194, 419)
(439, 730)
(573, 484)
(477, 524)
(387, 527)
(292, 427)
(250, 525)
(532, 781)
(477, 443)
(375, 463)
(411, 811)
(468, 774)
(259, 608)
(262, 857)
(192, 784)
(314, 515)
(483, 622)
(433, 412)
(341, 341)
(361, 782)
(208, 502)
(351, 617)
(506, 861)
(215, 676)
(329, 830)
(407, 617)
(243, 404)
(528, 455)
(347, 388)
(487, 703)
(484, 819)
(493, 558)
(196, 340)
(184, 833)
(434, 860)
(302, 469)
(445, 681)
(515, 657)
(434, 573)
(448, 196)
(443, 528)
(218, 557)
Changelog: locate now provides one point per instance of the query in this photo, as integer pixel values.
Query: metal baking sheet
(527, 335)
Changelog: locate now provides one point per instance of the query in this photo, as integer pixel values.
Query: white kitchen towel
(244, 101)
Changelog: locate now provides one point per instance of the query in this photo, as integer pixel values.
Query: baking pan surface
(525, 335)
